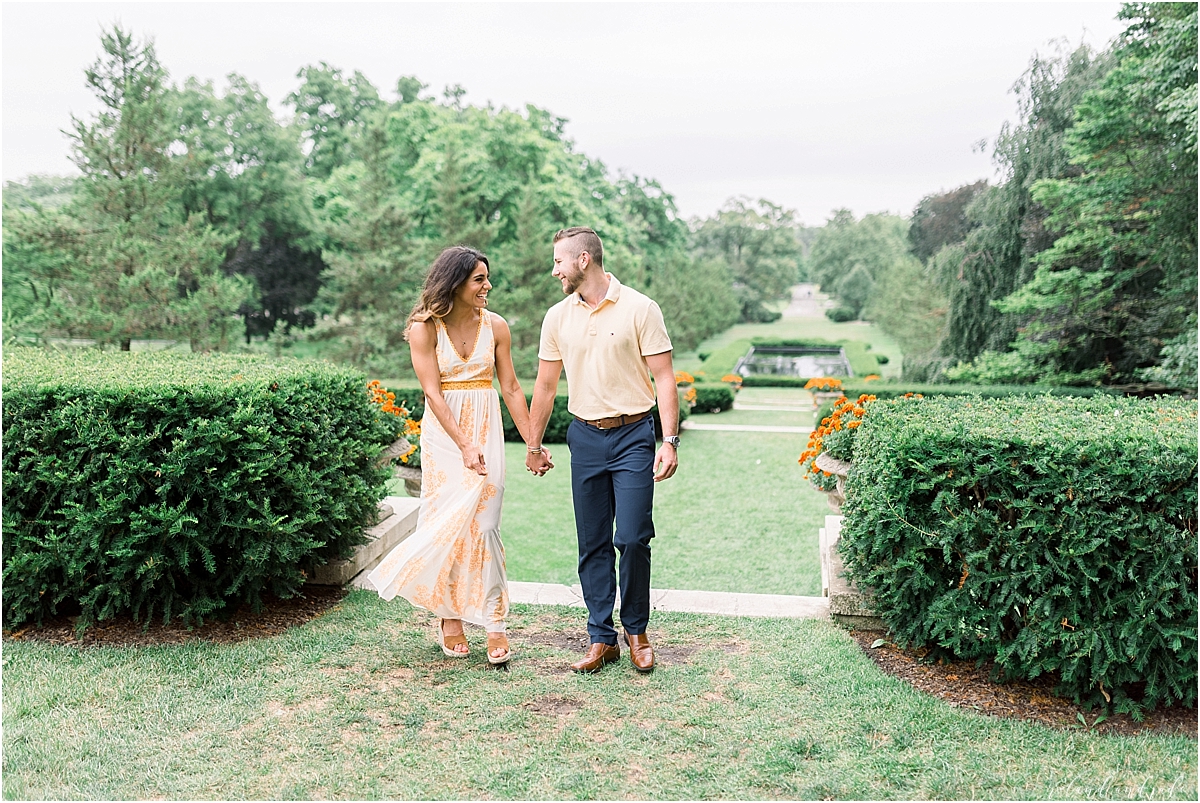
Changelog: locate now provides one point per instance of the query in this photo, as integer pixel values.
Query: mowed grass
(360, 704)
(737, 516)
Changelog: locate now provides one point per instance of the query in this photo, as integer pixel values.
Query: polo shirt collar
(614, 292)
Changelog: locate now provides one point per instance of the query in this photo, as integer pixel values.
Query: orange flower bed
(847, 416)
(410, 430)
(823, 383)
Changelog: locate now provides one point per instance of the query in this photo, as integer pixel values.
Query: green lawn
(737, 516)
(360, 704)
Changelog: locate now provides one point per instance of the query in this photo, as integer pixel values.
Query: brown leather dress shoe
(640, 652)
(598, 655)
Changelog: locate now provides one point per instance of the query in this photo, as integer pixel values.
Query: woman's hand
(473, 459)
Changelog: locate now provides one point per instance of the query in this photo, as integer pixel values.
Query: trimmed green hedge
(1050, 535)
(413, 398)
(713, 397)
(894, 390)
(890, 390)
(157, 482)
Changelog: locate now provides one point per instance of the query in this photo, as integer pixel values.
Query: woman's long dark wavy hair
(447, 273)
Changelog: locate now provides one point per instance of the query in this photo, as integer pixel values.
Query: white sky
(814, 106)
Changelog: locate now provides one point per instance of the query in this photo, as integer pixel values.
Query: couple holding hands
(610, 339)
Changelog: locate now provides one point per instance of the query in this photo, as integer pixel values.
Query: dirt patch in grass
(672, 654)
(665, 653)
(963, 685)
(568, 641)
(553, 705)
(241, 624)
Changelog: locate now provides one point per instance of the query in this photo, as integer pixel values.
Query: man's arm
(545, 387)
(666, 461)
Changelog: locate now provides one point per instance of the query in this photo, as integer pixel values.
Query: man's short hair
(583, 239)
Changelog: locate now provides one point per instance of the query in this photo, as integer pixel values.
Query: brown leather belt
(614, 422)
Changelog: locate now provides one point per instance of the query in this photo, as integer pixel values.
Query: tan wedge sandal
(448, 643)
(498, 641)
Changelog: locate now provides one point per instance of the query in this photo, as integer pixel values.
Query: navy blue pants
(612, 481)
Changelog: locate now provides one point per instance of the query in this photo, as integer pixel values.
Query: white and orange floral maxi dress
(453, 564)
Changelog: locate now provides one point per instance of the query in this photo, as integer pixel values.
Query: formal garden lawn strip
(360, 703)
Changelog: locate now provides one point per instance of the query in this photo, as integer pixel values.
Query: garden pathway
(689, 424)
(724, 603)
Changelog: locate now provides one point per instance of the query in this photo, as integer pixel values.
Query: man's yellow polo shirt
(603, 350)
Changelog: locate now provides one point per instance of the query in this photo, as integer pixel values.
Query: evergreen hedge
(177, 484)
(413, 399)
(713, 397)
(1052, 535)
(855, 388)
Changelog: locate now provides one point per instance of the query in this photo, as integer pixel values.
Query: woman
(453, 565)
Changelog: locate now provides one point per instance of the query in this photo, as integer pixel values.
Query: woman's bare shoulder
(423, 332)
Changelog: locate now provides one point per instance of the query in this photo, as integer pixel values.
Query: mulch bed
(959, 683)
(276, 616)
(963, 685)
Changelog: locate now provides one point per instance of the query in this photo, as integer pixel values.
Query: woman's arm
(422, 341)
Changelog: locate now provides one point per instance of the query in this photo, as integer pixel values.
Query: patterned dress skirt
(453, 564)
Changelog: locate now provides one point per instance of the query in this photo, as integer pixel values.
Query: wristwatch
(673, 440)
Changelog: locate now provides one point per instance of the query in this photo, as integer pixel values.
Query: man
(610, 339)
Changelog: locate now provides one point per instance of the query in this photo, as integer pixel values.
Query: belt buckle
(600, 423)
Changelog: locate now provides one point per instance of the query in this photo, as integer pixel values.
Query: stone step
(724, 603)
(399, 524)
(848, 605)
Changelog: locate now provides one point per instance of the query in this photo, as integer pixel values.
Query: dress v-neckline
(474, 346)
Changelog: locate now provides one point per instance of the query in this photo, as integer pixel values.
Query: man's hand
(539, 462)
(665, 462)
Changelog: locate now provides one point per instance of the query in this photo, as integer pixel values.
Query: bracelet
(534, 449)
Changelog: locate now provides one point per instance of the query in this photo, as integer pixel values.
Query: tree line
(1077, 267)
(199, 216)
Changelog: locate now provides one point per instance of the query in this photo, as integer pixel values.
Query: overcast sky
(814, 106)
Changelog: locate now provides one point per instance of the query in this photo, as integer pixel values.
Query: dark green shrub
(713, 397)
(556, 427)
(894, 390)
(411, 398)
(882, 359)
(156, 482)
(840, 314)
(890, 390)
(1051, 535)
(794, 342)
(768, 381)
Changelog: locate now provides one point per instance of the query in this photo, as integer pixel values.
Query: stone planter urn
(839, 469)
(410, 475)
(412, 479)
(822, 396)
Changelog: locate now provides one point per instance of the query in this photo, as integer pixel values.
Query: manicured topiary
(173, 484)
(1052, 535)
(712, 397)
